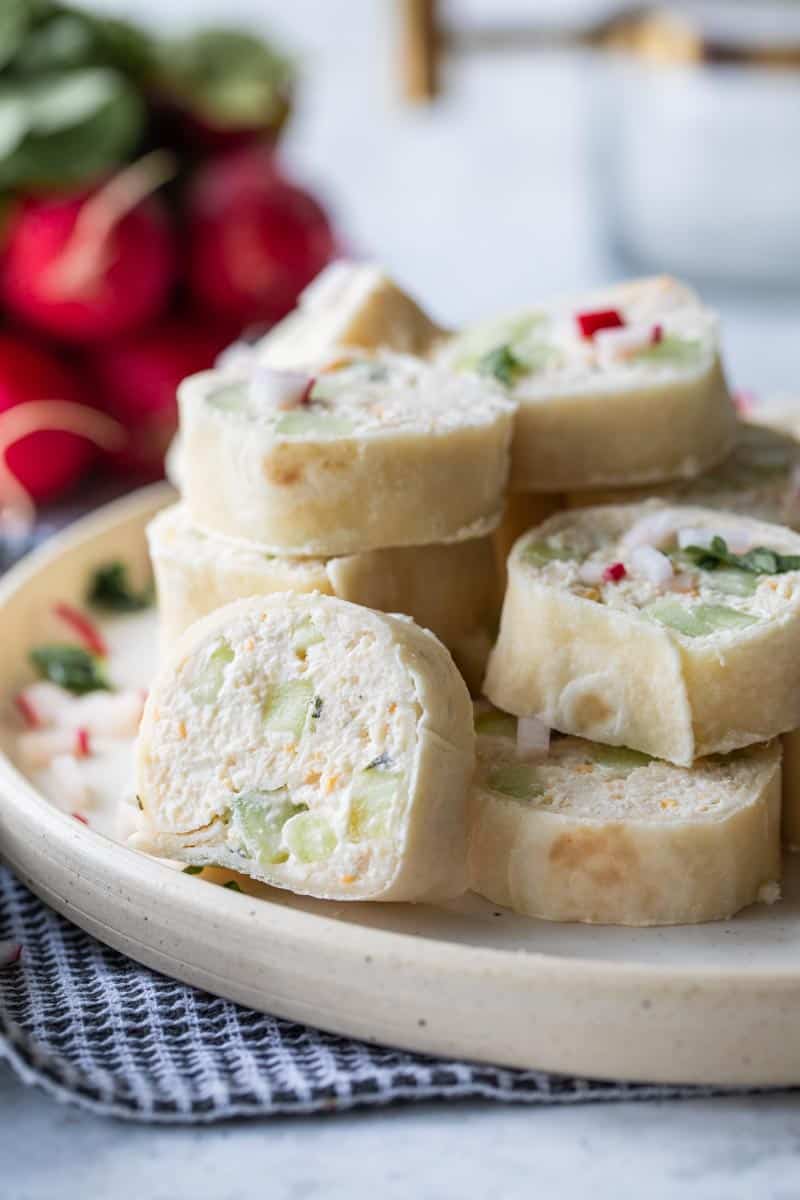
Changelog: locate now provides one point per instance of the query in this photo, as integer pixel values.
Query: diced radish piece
(104, 714)
(614, 573)
(620, 345)
(603, 318)
(27, 711)
(80, 817)
(591, 572)
(10, 952)
(283, 390)
(84, 629)
(73, 790)
(650, 564)
(533, 738)
(39, 747)
(48, 701)
(656, 335)
(653, 530)
(82, 749)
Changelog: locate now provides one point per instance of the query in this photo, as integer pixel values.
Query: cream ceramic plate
(707, 1004)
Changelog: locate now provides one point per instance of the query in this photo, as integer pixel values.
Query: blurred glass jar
(698, 140)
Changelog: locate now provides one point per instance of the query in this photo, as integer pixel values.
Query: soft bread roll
(759, 479)
(614, 409)
(606, 836)
(349, 305)
(449, 589)
(660, 653)
(383, 450)
(312, 744)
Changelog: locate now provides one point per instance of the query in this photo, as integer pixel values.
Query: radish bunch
(146, 223)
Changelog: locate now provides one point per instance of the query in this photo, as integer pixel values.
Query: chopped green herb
(502, 364)
(232, 886)
(760, 561)
(193, 869)
(383, 760)
(111, 589)
(316, 708)
(139, 803)
(71, 667)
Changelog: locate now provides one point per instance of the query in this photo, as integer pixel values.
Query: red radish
(603, 318)
(95, 265)
(255, 240)
(85, 630)
(614, 573)
(80, 817)
(656, 334)
(82, 746)
(48, 461)
(137, 379)
(27, 711)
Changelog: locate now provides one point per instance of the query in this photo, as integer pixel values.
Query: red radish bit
(80, 817)
(82, 747)
(137, 378)
(10, 952)
(306, 396)
(656, 334)
(255, 240)
(96, 265)
(27, 711)
(83, 628)
(602, 318)
(614, 573)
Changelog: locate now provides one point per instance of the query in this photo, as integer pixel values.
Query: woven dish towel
(93, 1027)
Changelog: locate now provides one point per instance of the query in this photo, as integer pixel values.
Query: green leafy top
(110, 589)
(502, 364)
(71, 667)
(759, 561)
(228, 78)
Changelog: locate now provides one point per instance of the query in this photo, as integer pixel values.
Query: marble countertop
(378, 162)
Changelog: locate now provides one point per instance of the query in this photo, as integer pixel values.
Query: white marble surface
(483, 202)
(725, 1149)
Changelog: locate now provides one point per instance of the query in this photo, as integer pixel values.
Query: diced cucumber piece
(258, 820)
(698, 620)
(232, 398)
(306, 634)
(673, 350)
(619, 757)
(517, 332)
(496, 724)
(520, 781)
(733, 582)
(301, 422)
(310, 837)
(539, 554)
(371, 798)
(286, 708)
(208, 682)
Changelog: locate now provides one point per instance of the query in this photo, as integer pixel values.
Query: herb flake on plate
(71, 667)
(112, 590)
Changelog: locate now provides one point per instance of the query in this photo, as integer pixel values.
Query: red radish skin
(47, 462)
(605, 318)
(656, 335)
(614, 573)
(27, 711)
(80, 817)
(84, 629)
(82, 744)
(255, 240)
(122, 288)
(136, 380)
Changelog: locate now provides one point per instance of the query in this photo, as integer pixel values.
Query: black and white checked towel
(93, 1027)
